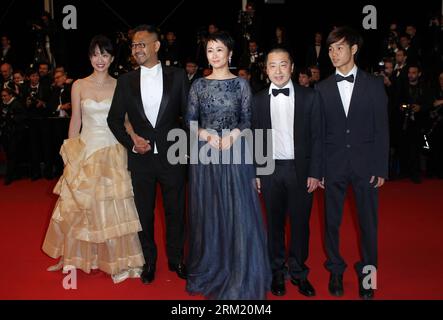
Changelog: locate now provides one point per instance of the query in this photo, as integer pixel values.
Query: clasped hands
(221, 143)
(141, 145)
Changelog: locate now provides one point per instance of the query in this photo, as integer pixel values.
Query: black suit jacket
(362, 138)
(128, 100)
(307, 129)
(322, 61)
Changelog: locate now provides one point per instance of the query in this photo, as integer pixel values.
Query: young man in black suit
(293, 114)
(356, 148)
(154, 97)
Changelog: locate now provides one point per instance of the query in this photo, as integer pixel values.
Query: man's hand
(258, 184)
(141, 145)
(214, 141)
(380, 181)
(321, 183)
(312, 184)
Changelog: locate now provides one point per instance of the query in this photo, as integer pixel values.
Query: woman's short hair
(103, 43)
(223, 37)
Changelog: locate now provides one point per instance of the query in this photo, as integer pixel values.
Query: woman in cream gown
(95, 223)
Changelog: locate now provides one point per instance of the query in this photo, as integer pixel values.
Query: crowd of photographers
(34, 113)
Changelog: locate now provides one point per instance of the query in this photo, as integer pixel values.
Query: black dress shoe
(180, 269)
(278, 287)
(304, 287)
(336, 284)
(365, 294)
(148, 274)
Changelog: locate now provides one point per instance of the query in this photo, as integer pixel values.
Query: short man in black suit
(356, 148)
(154, 97)
(293, 113)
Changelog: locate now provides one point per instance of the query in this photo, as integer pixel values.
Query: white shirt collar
(353, 72)
(154, 71)
(289, 85)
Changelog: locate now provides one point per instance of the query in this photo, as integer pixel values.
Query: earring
(230, 60)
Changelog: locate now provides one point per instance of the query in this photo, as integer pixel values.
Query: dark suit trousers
(366, 198)
(172, 184)
(283, 194)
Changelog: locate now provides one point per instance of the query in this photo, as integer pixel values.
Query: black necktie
(339, 78)
(285, 91)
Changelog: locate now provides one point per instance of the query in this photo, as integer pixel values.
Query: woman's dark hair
(349, 35)
(103, 43)
(223, 37)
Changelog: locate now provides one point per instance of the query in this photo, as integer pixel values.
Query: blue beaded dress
(228, 256)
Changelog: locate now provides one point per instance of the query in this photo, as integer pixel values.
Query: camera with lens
(32, 99)
(33, 96)
(380, 70)
(406, 107)
(409, 115)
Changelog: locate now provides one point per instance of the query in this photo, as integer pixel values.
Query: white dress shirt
(151, 87)
(282, 119)
(346, 88)
(317, 50)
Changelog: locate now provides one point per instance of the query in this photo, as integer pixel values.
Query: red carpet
(410, 249)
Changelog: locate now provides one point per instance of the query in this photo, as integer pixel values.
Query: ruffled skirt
(95, 223)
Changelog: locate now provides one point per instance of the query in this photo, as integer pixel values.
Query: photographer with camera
(414, 103)
(36, 95)
(7, 52)
(12, 132)
(390, 42)
(170, 53)
(435, 131)
(59, 106)
(6, 80)
(50, 45)
(386, 70)
(254, 60)
(18, 85)
(249, 22)
(122, 61)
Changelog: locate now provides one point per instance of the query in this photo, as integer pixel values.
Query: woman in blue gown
(227, 249)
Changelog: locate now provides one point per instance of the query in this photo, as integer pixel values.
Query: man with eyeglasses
(154, 97)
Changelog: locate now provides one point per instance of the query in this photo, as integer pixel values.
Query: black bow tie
(339, 78)
(285, 91)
